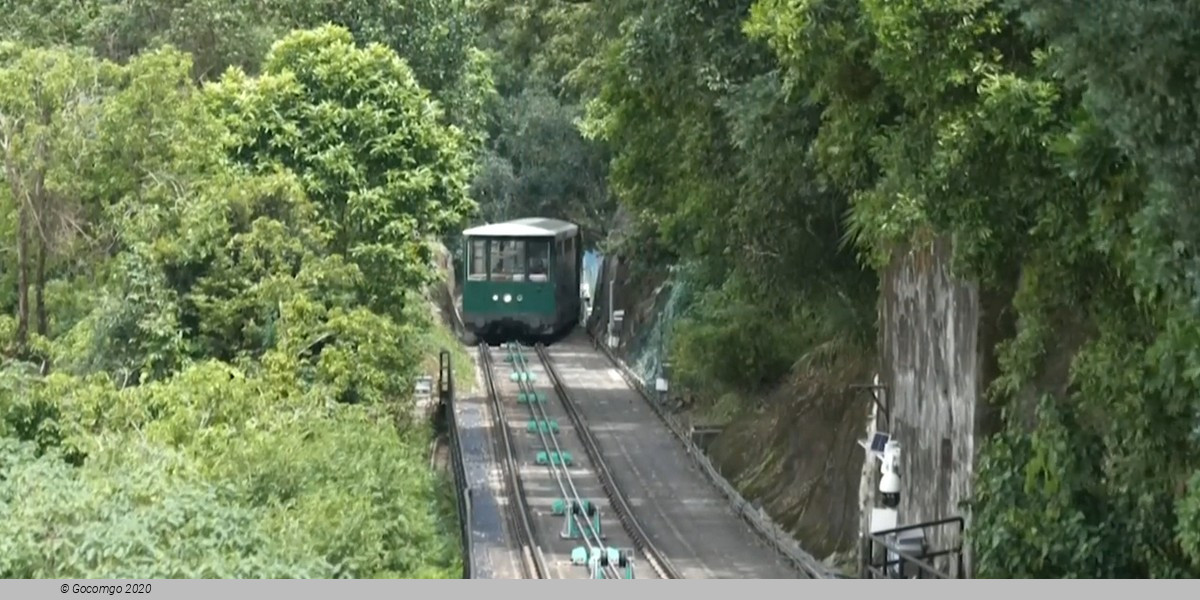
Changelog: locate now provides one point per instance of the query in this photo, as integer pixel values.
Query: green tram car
(521, 279)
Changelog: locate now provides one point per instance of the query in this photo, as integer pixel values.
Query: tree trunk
(43, 321)
(37, 203)
(22, 275)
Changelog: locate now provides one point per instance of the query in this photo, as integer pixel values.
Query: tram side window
(478, 269)
(539, 260)
(508, 260)
(560, 260)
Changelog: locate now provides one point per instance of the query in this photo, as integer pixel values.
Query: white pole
(612, 282)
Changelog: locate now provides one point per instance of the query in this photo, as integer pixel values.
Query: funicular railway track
(657, 560)
(518, 512)
(693, 521)
(582, 520)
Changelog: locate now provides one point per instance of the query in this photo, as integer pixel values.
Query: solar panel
(879, 441)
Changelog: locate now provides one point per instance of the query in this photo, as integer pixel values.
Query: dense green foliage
(213, 310)
(1053, 142)
(536, 161)
(385, 173)
(711, 153)
(966, 118)
(216, 284)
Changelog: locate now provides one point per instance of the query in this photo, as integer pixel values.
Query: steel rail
(535, 566)
(534, 408)
(655, 557)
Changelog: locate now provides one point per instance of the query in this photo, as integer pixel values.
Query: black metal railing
(887, 556)
(462, 489)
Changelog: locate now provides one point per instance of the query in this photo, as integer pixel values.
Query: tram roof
(529, 227)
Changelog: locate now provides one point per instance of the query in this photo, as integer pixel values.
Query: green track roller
(545, 458)
(598, 559)
(560, 506)
(596, 568)
(525, 397)
(585, 511)
(523, 376)
(625, 561)
(545, 426)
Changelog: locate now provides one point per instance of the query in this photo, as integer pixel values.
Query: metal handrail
(873, 569)
(461, 487)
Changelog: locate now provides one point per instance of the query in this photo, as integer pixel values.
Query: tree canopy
(786, 149)
(217, 218)
(368, 143)
(215, 333)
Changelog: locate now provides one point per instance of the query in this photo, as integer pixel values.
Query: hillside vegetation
(782, 150)
(218, 217)
(213, 276)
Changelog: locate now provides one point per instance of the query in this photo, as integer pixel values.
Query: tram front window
(508, 260)
(539, 260)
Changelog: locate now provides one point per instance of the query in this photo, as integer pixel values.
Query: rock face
(936, 338)
(443, 294)
(799, 455)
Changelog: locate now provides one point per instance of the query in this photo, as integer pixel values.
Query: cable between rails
(559, 470)
(657, 560)
(534, 565)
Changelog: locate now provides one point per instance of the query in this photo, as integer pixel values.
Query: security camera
(889, 484)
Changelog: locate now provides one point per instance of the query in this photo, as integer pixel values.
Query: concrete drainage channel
(762, 524)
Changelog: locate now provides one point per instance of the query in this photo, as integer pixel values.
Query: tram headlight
(507, 298)
(495, 298)
(520, 297)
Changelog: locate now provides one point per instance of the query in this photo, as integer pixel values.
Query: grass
(720, 411)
